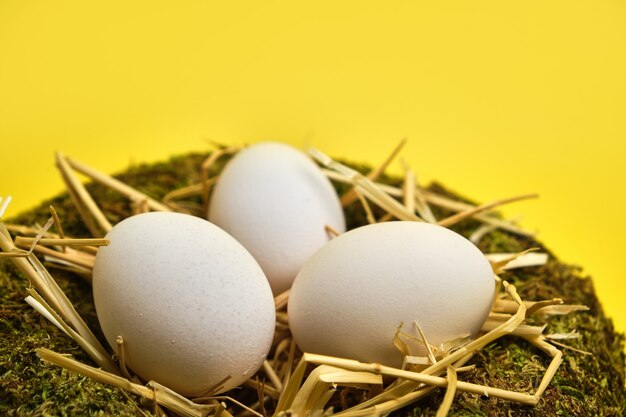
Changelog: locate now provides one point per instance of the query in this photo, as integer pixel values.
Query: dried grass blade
(557, 359)
(342, 377)
(367, 187)
(291, 388)
(311, 392)
(94, 373)
(384, 201)
(368, 211)
(502, 261)
(413, 198)
(36, 276)
(351, 196)
(454, 344)
(508, 306)
(288, 365)
(542, 304)
(121, 356)
(116, 185)
(416, 361)
(185, 192)
(503, 329)
(564, 346)
(441, 201)
(271, 374)
(317, 408)
(389, 406)
(181, 405)
(84, 213)
(238, 403)
(84, 273)
(38, 307)
(525, 260)
(331, 231)
(417, 378)
(521, 330)
(256, 385)
(458, 206)
(507, 327)
(444, 407)
(94, 351)
(57, 223)
(261, 402)
(400, 344)
(391, 403)
(43, 283)
(423, 207)
(39, 236)
(15, 254)
(479, 233)
(82, 260)
(465, 369)
(139, 206)
(408, 190)
(456, 218)
(281, 317)
(431, 355)
(81, 192)
(315, 393)
(25, 230)
(561, 310)
(4, 205)
(28, 241)
(282, 299)
(563, 336)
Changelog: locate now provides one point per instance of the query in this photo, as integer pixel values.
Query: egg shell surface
(275, 201)
(191, 303)
(350, 297)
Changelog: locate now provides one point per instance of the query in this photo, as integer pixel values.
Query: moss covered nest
(590, 382)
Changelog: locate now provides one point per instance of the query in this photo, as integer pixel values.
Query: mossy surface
(585, 385)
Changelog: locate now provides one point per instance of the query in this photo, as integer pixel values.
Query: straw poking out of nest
(294, 383)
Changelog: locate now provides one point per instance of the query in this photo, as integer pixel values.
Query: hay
(583, 385)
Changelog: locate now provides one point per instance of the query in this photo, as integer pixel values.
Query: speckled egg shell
(276, 202)
(351, 296)
(191, 303)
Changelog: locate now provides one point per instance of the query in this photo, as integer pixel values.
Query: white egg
(275, 201)
(351, 296)
(191, 304)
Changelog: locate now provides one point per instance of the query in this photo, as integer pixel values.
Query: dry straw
(302, 384)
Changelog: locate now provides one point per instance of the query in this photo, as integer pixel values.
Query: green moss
(585, 385)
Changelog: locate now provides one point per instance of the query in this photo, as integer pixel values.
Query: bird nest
(546, 348)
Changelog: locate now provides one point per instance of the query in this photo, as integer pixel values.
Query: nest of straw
(547, 348)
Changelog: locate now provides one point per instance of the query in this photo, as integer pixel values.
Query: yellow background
(497, 98)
